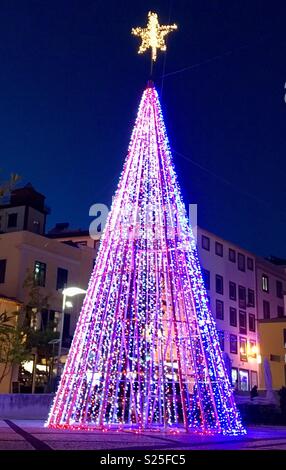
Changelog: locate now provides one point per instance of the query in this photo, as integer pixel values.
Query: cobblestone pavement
(31, 435)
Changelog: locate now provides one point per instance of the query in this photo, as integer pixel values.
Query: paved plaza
(31, 435)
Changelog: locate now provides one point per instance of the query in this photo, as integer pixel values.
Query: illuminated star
(153, 35)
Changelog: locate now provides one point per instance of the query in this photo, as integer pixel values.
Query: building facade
(235, 279)
(230, 280)
(271, 289)
(272, 334)
(9, 316)
(52, 266)
(26, 210)
(271, 311)
(246, 293)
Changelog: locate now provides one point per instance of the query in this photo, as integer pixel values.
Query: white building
(230, 279)
(271, 288)
(26, 251)
(233, 278)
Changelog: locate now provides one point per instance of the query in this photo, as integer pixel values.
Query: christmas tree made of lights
(145, 353)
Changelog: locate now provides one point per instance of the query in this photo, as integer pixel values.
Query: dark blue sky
(71, 81)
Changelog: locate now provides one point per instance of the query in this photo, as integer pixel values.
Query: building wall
(4, 214)
(273, 348)
(9, 307)
(22, 249)
(273, 274)
(35, 221)
(221, 265)
(249, 279)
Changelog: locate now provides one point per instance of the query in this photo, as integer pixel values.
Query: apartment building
(271, 288)
(238, 284)
(243, 289)
(25, 252)
(230, 279)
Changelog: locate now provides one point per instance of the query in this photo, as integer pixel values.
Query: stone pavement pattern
(31, 435)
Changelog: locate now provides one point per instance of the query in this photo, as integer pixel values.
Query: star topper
(153, 35)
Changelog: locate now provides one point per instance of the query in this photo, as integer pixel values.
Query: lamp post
(68, 292)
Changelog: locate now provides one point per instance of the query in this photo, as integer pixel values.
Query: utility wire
(227, 182)
(217, 57)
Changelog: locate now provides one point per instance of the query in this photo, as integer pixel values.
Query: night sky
(71, 82)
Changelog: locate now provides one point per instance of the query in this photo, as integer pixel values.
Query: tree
(7, 186)
(20, 334)
(13, 345)
(39, 335)
(146, 348)
(36, 300)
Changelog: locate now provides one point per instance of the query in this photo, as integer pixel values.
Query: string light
(153, 36)
(145, 353)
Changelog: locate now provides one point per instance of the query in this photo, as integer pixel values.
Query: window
(232, 255)
(219, 284)
(232, 290)
(250, 264)
(66, 341)
(275, 358)
(48, 319)
(234, 377)
(242, 323)
(36, 226)
(251, 299)
(266, 309)
(205, 243)
(3, 263)
(233, 344)
(241, 262)
(44, 318)
(219, 310)
(265, 283)
(254, 378)
(243, 349)
(251, 320)
(279, 289)
(232, 316)
(52, 317)
(12, 220)
(62, 278)
(221, 339)
(242, 297)
(40, 274)
(243, 380)
(252, 349)
(280, 311)
(207, 279)
(218, 249)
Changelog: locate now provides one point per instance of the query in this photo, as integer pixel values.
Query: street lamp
(67, 292)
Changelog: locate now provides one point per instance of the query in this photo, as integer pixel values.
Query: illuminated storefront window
(243, 380)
